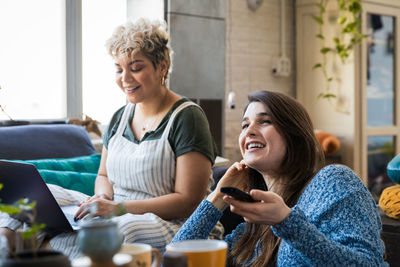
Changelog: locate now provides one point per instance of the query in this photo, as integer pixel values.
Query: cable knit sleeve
(200, 223)
(335, 223)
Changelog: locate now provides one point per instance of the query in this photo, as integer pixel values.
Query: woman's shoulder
(192, 115)
(190, 131)
(191, 109)
(333, 183)
(336, 174)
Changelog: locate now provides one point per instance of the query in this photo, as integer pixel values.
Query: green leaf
(325, 50)
(320, 36)
(318, 65)
(318, 19)
(326, 95)
(336, 40)
(350, 27)
(342, 20)
(343, 54)
(321, 7)
(9, 209)
(339, 48)
(341, 4)
(329, 96)
(32, 231)
(355, 7)
(24, 205)
(22, 201)
(349, 47)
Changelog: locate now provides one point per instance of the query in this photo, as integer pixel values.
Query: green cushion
(393, 169)
(78, 173)
(88, 164)
(78, 181)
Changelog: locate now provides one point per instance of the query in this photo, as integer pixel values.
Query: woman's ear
(164, 67)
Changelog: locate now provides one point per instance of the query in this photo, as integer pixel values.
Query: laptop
(22, 180)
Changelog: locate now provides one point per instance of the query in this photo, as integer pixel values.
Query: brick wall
(252, 47)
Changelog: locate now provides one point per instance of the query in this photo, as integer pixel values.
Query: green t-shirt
(189, 131)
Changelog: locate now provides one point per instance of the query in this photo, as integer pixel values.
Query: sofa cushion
(88, 164)
(77, 173)
(78, 181)
(44, 141)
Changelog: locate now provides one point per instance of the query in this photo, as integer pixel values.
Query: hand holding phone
(237, 194)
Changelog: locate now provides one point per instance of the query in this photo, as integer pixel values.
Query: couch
(48, 146)
(59, 141)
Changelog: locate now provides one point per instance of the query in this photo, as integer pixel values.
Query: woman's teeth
(132, 88)
(255, 145)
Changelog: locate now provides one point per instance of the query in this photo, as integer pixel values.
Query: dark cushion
(44, 142)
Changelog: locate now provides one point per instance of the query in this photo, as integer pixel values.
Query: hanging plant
(349, 35)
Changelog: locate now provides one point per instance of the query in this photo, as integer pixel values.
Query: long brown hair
(303, 159)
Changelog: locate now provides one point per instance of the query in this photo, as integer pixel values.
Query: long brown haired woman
(310, 216)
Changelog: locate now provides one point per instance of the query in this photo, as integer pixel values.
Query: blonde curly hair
(147, 37)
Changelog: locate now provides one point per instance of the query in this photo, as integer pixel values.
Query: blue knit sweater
(334, 223)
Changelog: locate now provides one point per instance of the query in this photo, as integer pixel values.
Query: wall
(253, 46)
(197, 30)
(222, 44)
(338, 117)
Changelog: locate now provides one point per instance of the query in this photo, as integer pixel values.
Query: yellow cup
(141, 254)
(201, 253)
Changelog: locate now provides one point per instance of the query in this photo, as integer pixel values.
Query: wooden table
(391, 236)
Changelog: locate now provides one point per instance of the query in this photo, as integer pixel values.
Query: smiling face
(138, 78)
(262, 146)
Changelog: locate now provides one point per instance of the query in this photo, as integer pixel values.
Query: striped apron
(136, 171)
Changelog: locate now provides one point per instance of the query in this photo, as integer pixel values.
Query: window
(101, 96)
(380, 91)
(48, 70)
(32, 65)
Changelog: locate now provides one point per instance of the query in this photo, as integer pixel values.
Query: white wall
(254, 46)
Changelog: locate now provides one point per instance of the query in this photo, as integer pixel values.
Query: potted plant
(349, 35)
(28, 253)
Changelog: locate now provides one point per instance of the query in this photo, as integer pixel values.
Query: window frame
(73, 9)
(371, 131)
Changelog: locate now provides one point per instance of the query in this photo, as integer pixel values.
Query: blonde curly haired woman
(158, 150)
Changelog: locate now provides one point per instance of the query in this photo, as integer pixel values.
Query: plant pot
(43, 258)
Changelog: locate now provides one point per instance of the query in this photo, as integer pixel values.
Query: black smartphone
(237, 194)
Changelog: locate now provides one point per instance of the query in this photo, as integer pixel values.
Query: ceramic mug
(141, 254)
(200, 253)
(99, 239)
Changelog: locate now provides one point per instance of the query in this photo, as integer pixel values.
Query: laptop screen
(22, 180)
